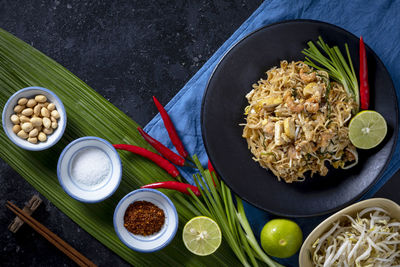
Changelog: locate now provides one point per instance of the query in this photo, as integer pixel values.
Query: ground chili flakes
(143, 218)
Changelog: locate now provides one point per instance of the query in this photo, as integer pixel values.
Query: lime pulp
(367, 129)
(202, 236)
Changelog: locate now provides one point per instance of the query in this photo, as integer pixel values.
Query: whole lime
(281, 238)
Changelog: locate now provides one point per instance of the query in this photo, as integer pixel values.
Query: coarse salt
(90, 167)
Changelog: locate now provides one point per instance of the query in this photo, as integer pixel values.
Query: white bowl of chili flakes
(145, 220)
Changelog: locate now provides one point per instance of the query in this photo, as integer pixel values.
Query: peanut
(55, 114)
(46, 122)
(44, 111)
(23, 119)
(18, 108)
(27, 127)
(22, 134)
(22, 101)
(32, 140)
(54, 125)
(31, 103)
(27, 112)
(42, 137)
(15, 119)
(51, 107)
(16, 128)
(40, 98)
(34, 132)
(36, 121)
(36, 110)
(48, 130)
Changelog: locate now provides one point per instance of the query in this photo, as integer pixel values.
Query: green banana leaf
(89, 114)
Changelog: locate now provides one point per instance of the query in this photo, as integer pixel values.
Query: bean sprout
(370, 239)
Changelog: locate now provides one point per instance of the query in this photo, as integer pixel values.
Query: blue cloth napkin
(377, 21)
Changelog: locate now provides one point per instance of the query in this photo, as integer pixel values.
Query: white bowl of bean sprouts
(364, 234)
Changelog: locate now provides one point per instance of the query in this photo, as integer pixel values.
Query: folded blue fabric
(377, 21)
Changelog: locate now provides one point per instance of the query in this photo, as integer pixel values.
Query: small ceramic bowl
(305, 257)
(153, 242)
(30, 92)
(73, 180)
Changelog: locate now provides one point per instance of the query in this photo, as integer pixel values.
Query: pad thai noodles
(296, 120)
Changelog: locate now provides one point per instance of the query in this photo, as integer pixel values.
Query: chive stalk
(219, 214)
(216, 201)
(241, 215)
(333, 62)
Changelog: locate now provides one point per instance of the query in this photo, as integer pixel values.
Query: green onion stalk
(216, 202)
(335, 64)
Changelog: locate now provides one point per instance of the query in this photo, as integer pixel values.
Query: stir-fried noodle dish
(297, 120)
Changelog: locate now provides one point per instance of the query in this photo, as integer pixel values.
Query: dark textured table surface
(127, 51)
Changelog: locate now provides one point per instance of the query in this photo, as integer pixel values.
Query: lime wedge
(202, 236)
(367, 129)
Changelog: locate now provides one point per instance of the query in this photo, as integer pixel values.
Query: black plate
(222, 111)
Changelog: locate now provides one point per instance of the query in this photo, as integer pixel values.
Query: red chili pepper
(181, 187)
(163, 150)
(211, 169)
(364, 86)
(171, 129)
(157, 159)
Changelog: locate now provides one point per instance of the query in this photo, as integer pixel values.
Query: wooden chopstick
(72, 253)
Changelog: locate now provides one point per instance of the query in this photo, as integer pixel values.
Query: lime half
(367, 129)
(202, 236)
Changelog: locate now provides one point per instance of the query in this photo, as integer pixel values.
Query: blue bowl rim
(64, 114)
(62, 156)
(168, 201)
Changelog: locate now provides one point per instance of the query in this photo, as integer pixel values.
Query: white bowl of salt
(89, 169)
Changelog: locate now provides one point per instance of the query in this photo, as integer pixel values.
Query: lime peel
(281, 238)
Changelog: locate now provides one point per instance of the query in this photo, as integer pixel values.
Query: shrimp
(308, 130)
(325, 138)
(305, 147)
(294, 107)
(350, 156)
(312, 107)
(269, 128)
(323, 170)
(308, 77)
(312, 104)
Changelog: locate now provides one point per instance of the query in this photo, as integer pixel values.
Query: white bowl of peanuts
(34, 118)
